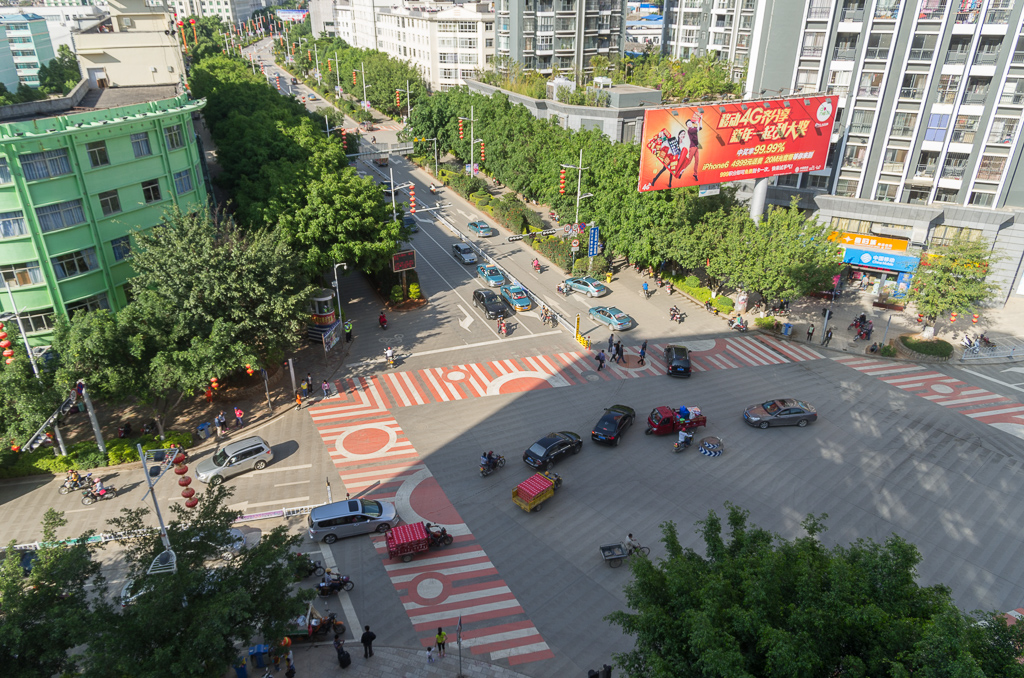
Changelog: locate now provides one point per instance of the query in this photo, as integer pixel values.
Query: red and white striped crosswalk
(971, 401)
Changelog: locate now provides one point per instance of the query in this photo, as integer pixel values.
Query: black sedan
(677, 360)
(781, 412)
(612, 424)
(543, 454)
(491, 304)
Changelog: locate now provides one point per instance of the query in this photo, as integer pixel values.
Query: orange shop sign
(876, 241)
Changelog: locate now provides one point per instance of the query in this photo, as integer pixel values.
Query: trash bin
(787, 329)
(258, 655)
(241, 671)
(204, 430)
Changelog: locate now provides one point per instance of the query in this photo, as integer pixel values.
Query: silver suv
(350, 517)
(463, 253)
(234, 458)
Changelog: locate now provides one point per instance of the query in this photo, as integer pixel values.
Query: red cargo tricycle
(405, 541)
(665, 420)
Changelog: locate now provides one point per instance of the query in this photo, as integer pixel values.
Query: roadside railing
(1006, 347)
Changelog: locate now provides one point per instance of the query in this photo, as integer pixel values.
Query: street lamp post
(579, 184)
(166, 561)
(473, 140)
(337, 288)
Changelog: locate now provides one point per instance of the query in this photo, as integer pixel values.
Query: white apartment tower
(698, 27)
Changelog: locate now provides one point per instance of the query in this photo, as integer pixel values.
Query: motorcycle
(310, 567)
(564, 290)
(675, 315)
(986, 342)
(328, 624)
(391, 358)
(433, 190)
(485, 471)
(91, 497)
(736, 324)
(332, 583)
(972, 346)
(536, 266)
(69, 485)
(382, 321)
(684, 443)
(438, 538)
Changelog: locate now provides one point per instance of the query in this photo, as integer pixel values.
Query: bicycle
(645, 550)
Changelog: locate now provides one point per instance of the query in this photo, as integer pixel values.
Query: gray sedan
(781, 412)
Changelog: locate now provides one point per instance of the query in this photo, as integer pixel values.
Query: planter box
(906, 353)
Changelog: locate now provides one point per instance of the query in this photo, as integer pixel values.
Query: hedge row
(87, 455)
(691, 285)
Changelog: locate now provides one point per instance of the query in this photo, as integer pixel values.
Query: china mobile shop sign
(716, 143)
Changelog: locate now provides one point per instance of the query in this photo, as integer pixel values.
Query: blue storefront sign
(594, 246)
(883, 260)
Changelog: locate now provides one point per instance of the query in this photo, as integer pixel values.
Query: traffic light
(398, 98)
(561, 181)
(353, 78)
(460, 129)
(412, 200)
(481, 151)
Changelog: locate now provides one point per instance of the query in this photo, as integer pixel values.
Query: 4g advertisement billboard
(710, 144)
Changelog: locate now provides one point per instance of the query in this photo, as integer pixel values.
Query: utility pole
(408, 102)
(317, 56)
(579, 184)
(362, 69)
(472, 140)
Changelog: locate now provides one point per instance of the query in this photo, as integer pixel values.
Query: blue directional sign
(594, 246)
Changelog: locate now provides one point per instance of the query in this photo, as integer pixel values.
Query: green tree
(784, 256)
(46, 614)
(207, 299)
(952, 278)
(27, 400)
(191, 622)
(756, 604)
(62, 73)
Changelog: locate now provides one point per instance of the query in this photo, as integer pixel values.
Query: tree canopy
(759, 605)
(952, 278)
(62, 73)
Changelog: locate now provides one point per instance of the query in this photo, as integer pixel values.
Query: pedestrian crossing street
(977, 403)
(387, 390)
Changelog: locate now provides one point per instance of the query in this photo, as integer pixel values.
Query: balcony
(861, 128)
(986, 57)
(723, 24)
(926, 171)
(877, 53)
(812, 52)
(946, 97)
(819, 12)
(893, 167)
(1001, 137)
(855, 163)
(975, 97)
(852, 15)
(956, 57)
(915, 93)
(922, 54)
(967, 17)
(1012, 99)
(844, 54)
(868, 90)
(962, 136)
(902, 131)
(1018, 58)
(838, 90)
(891, 12)
(989, 174)
(953, 171)
(934, 14)
(997, 16)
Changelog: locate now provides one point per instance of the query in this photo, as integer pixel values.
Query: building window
(991, 167)
(964, 129)
(122, 248)
(74, 263)
(941, 235)
(140, 144)
(903, 124)
(983, 199)
(37, 321)
(448, 73)
(5, 172)
(946, 195)
(937, 124)
(1002, 131)
(175, 139)
(182, 182)
(847, 188)
(93, 303)
(151, 190)
(19, 275)
(886, 192)
(12, 224)
(98, 153)
(109, 203)
(488, 42)
(61, 215)
(819, 183)
(467, 43)
(45, 165)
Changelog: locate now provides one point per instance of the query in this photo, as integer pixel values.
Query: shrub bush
(691, 285)
(397, 294)
(936, 347)
(414, 291)
(889, 351)
(510, 212)
(722, 303)
(770, 324)
(534, 220)
(556, 250)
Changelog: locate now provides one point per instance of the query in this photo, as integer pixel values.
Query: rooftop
(21, 17)
(112, 97)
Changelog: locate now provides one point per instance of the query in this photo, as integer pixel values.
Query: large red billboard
(715, 143)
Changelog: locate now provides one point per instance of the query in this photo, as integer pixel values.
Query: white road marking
(91, 508)
(1003, 383)
(467, 321)
(291, 501)
(297, 482)
(347, 609)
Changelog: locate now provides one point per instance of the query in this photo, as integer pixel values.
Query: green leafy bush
(397, 294)
(414, 291)
(556, 250)
(889, 351)
(936, 347)
(723, 303)
(534, 220)
(691, 285)
(770, 324)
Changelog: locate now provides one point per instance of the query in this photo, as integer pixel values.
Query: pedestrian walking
(430, 654)
(238, 417)
(309, 382)
(828, 337)
(344, 659)
(348, 331)
(326, 388)
(611, 342)
(615, 351)
(600, 361)
(304, 388)
(643, 353)
(810, 332)
(298, 400)
(367, 640)
(440, 638)
(219, 422)
(209, 395)
(620, 354)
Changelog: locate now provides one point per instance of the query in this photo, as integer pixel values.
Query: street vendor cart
(664, 420)
(405, 541)
(535, 490)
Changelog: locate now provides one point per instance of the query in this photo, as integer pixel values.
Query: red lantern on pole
(184, 42)
(920, 317)
(214, 384)
(192, 503)
(184, 481)
(412, 200)
(248, 368)
(460, 129)
(952, 317)
(561, 181)
(188, 493)
(353, 78)
(8, 352)
(481, 151)
(973, 320)
(398, 98)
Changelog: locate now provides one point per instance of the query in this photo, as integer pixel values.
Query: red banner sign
(717, 143)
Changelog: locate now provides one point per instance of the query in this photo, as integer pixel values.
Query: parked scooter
(972, 346)
(986, 342)
(69, 485)
(310, 568)
(330, 624)
(332, 583)
(488, 469)
(738, 324)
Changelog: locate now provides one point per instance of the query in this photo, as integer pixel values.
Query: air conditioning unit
(126, 21)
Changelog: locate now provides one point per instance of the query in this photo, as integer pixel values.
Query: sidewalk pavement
(319, 661)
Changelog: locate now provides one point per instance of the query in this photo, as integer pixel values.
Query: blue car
(491, 275)
(516, 297)
(612, 317)
(587, 286)
(481, 228)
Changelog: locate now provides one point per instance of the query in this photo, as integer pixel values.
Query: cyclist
(632, 544)
(646, 292)
(390, 355)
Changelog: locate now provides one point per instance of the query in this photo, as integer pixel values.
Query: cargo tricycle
(535, 490)
(665, 420)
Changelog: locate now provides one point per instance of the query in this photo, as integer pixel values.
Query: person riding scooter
(383, 320)
(536, 264)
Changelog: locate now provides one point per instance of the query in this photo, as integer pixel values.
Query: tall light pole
(579, 184)
(362, 71)
(473, 140)
(337, 288)
(166, 561)
(315, 54)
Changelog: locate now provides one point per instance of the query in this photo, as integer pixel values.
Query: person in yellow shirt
(441, 637)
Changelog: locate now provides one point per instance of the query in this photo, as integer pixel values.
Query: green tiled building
(74, 185)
